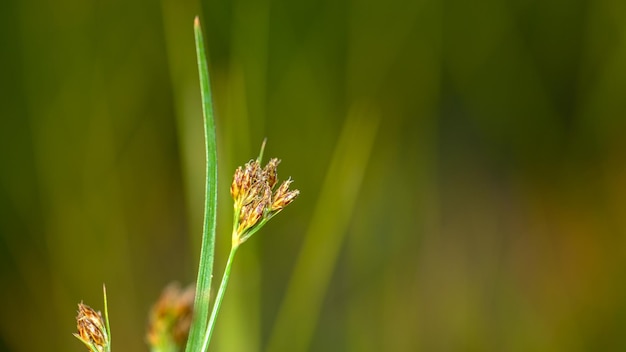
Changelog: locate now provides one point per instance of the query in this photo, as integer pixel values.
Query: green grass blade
(205, 270)
(106, 316)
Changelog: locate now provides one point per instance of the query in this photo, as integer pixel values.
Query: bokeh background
(462, 168)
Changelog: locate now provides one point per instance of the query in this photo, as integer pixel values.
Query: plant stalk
(219, 297)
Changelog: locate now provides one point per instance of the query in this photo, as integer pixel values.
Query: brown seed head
(256, 213)
(283, 196)
(253, 211)
(252, 193)
(254, 202)
(252, 174)
(90, 327)
(270, 173)
(235, 187)
(244, 214)
(170, 317)
(246, 183)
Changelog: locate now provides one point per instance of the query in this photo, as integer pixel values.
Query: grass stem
(219, 297)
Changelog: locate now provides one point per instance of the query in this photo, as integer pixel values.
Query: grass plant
(257, 198)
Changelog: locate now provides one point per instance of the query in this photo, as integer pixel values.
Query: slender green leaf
(106, 316)
(205, 270)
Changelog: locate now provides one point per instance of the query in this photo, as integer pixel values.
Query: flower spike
(255, 202)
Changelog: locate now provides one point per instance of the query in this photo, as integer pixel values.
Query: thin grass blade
(106, 316)
(205, 270)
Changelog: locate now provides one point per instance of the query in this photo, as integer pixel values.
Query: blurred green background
(462, 168)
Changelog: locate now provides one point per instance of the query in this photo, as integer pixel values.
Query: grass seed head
(170, 318)
(91, 328)
(254, 200)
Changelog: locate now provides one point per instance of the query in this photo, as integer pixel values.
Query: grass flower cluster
(170, 319)
(178, 321)
(255, 202)
(93, 331)
(255, 198)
